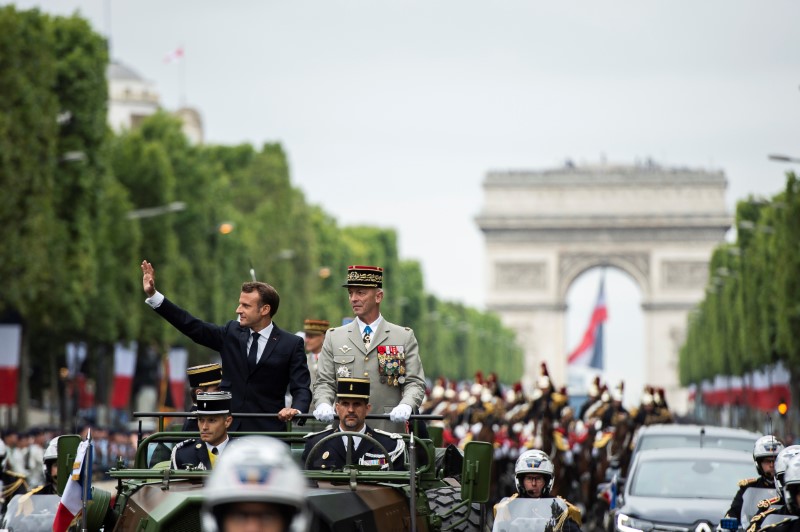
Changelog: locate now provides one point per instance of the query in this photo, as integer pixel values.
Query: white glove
(400, 413)
(324, 413)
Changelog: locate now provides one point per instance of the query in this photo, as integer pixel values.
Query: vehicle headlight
(626, 523)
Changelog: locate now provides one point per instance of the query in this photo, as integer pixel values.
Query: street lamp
(150, 212)
(783, 158)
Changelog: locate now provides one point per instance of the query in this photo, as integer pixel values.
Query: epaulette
(393, 435)
(747, 481)
(184, 442)
(573, 512)
(503, 503)
(312, 434)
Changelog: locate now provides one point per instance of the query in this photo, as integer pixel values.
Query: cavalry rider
(777, 504)
(214, 419)
(534, 474)
(255, 486)
(791, 495)
(765, 451)
(352, 407)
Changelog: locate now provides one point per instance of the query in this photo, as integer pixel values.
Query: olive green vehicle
(426, 497)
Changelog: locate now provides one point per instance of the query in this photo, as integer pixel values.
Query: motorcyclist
(533, 477)
(765, 451)
(791, 496)
(776, 505)
(255, 485)
(50, 470)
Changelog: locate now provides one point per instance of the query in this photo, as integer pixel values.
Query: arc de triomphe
(544, 228)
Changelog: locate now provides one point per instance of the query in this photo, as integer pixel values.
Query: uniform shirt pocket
(343, 359)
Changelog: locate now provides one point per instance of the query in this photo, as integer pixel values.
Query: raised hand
(148, 278)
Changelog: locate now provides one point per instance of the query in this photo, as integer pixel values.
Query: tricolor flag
(10, 342)
(124, 368)
(173, 382)
(174, 56)
(590, 351)
(78, 484)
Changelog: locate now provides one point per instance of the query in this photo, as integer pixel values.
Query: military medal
(401, 379)
(343, 372)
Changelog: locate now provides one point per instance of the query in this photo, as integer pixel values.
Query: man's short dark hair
(267, 295)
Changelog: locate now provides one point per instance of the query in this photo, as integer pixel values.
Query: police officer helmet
(791, 484)
(533, 462)
(255, 469)
(782, 462)
(49, 458)
(766, 447)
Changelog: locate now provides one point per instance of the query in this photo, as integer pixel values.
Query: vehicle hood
(676, 511)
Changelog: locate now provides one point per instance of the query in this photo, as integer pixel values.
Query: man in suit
(259, 360)
(352, 407)
(203, 378)
(371, 347)
(213, 418)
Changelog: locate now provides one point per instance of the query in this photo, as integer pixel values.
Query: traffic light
(783, 407)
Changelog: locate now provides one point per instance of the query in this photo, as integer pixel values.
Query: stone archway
(544, 228)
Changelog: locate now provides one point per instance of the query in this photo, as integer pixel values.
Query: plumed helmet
(782, 462)
(255, 469)
(50, 456)
(791, 484)
(766, 447)
(533, 461)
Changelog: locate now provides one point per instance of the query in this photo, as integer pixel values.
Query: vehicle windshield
(671, 441)
(689, 478)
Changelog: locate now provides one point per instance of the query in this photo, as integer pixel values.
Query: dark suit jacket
(282, 364)
(333, 455)
(191, 453)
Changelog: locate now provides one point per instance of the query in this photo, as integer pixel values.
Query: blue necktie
(252, 356)
(367, 332)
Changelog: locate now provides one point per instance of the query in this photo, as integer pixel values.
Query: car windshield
(670, 441)
(689, 478)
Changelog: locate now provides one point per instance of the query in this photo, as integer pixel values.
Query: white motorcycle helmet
(255, 469)
(534, 462)
(765, 447)
(791, 484)
(50, 456)
(782, 462)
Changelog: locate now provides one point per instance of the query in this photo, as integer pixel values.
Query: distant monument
(544, 228)
(132, 98)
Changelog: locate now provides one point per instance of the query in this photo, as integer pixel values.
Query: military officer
(314, 335)
(213, 418)
(371, 348)
(765, 451)
(791, 496)
(203, 378)
(352, 407)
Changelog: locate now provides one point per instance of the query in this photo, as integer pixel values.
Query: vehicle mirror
(67, 449)
(476, 473)
(436, 435)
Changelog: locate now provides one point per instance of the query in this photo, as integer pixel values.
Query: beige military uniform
(392, 365)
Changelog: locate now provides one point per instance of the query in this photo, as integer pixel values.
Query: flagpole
(87, 482)
(182, 78)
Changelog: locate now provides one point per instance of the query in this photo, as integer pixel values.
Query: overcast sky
(393, 112)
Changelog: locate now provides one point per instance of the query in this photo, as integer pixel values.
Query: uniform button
(366, 374)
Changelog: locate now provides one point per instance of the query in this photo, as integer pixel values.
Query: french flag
(79, 482)
(10, 342)
(590, 351)
(174, 56)
(124, 368)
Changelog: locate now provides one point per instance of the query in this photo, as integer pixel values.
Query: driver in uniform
(352, 407)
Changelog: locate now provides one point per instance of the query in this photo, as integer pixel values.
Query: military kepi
(353, 389)
(204, 375)
(316, 326)
(367, 276)
(213, 403)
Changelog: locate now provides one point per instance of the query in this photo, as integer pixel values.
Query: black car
(680, 490)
